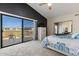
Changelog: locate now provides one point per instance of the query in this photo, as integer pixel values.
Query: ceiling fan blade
(49, 6)
(42, 4)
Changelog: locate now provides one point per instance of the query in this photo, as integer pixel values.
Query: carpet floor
(31, 48)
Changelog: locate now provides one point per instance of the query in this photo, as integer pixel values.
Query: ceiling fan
(48, 4)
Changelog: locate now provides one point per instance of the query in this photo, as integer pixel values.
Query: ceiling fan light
(49, 4)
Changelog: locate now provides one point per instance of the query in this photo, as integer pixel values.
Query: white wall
(75, 20)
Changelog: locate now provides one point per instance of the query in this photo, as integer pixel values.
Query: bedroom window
(16, 30)
(28, 30)
(56, 27)
(12, 30)
(63, 27)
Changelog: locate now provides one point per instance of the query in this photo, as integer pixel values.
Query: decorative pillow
(75, 35)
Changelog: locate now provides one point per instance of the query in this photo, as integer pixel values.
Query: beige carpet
(31, 48)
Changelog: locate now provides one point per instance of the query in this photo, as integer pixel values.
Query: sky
(12, 22)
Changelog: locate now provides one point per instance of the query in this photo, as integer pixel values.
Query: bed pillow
(74, 36)
(77, 37)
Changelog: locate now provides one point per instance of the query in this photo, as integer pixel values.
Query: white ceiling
(58, 9)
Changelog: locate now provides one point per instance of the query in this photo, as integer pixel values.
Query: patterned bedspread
(70, 46)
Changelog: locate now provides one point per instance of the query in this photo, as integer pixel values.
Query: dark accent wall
(25, 10)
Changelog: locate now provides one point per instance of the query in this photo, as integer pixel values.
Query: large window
(12, 30)
(28, 30)
(16, 30)
(63, 27)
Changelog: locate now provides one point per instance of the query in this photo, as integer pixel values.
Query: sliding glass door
(11, 30)
(16, 30)
(28, 30)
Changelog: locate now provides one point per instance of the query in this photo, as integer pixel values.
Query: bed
(67, 46)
